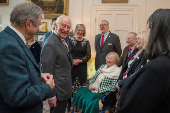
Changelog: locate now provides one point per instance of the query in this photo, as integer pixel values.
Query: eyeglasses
(65, 26)
(128, 38)
(102, 24)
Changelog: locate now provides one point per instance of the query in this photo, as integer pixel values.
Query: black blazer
(148, 90)
(111, 44)
(136, 64)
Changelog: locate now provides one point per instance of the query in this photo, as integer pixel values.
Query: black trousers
(60, 108)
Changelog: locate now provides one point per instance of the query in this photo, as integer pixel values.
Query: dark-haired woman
(148, 90)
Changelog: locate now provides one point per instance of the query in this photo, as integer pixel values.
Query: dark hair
(159, 37)
(54, 19)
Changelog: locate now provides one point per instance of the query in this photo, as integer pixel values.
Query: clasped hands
(77, 61)
(47, 78)
(92, 88)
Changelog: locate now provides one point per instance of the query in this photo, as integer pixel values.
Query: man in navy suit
(21, 88)
(53, 25)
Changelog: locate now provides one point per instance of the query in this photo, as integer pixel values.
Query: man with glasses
(104, 43)
(131, 45)
(56, 59)
(46, 35)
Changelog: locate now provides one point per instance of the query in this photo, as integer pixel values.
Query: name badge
(109, 44)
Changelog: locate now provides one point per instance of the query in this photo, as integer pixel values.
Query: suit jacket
(111, 44)
(135, 65)
(147, 91)
(46, 35)
(21, 88)
(123, 57)
(57, 61)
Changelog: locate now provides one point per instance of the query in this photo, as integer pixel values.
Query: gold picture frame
(4, 2)
(114, 1)
(52, 8)
(43, 27)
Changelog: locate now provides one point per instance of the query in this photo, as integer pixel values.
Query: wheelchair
(107, 102)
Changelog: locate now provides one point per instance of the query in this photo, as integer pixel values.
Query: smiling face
(80, 32)
(63, 27)
(139, 42)
(104, 27)
(53, 25)
(110, 60)
(130, 40)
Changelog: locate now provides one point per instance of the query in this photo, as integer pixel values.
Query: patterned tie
(102, 41)
(129, 52)
(65, 44)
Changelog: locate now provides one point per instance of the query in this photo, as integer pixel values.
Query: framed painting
(114, 1)
(4, 2)
(52, 8)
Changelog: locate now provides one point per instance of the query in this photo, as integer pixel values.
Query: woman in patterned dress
(105, 79)
(81, 53)
(80, 50)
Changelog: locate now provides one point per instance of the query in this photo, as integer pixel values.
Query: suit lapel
(105, 42)
(60, 43)
(22, 44)
(98, 41)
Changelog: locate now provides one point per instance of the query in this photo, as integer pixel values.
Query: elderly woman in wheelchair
(88, 98)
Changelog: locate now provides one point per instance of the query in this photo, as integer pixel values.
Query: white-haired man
(56, 59)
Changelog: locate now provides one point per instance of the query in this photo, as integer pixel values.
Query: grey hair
(134, 34)
(80, 25)
(58, 21)
(25, 10)
(106, 22)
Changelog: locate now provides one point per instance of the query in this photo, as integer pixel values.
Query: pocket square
(109, 43)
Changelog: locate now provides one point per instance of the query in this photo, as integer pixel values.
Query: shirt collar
(133, 47)
(106, 33)
(20, 35)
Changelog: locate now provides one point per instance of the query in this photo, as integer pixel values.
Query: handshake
(47, 78)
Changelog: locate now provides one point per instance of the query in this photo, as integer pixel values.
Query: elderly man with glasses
(106, 42)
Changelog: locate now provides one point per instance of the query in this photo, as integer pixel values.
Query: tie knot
(130, 49)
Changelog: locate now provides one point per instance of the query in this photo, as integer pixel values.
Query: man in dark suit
(131, 45)
(104, 43)
(46, 35)
(21, 88)
(56, 59)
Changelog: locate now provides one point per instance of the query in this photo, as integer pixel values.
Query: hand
(53, 102)
(79, 61)
(117, 86)
(45, 77)
(75, 62)
(50, 81)
(92, 88)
